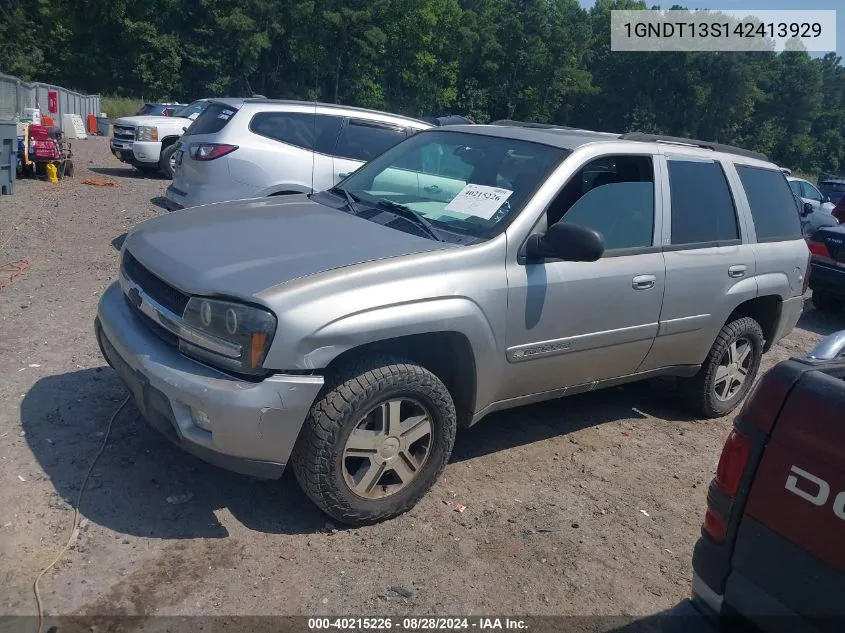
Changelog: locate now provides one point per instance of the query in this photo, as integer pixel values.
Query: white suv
(252, 148)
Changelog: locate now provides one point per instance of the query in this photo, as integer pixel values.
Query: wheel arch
(167, 141)
(447, 354)
(766, 310)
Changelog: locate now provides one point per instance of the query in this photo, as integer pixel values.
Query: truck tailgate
(789, 557)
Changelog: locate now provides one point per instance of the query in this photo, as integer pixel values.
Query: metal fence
(15, 95)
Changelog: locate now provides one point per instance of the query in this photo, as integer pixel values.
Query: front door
(575, 323)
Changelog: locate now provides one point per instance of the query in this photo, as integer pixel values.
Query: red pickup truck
(772, 548)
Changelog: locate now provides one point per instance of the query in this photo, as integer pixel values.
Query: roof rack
(541, 126)
(677, 140)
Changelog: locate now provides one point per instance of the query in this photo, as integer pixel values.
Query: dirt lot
(588, 505)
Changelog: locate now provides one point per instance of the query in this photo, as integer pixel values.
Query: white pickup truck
(148, 142)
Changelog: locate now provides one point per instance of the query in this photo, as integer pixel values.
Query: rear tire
(333, 461)
(827, 302)
(729, 369)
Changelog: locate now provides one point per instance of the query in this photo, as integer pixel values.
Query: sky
(760, 5)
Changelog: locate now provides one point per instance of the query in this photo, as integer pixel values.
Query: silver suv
(466, 270)
(252, 148)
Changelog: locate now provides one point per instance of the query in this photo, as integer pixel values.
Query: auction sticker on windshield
(479, 200)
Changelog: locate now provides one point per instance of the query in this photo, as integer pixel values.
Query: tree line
(533, 60)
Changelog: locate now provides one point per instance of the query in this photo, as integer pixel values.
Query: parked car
(770, 552)
(466, 270)
(159, 109)
(253, 148)
(149, 142)
(809, 193)
(839, 211)
(832, 187)
(827, 277)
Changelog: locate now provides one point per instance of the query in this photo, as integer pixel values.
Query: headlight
(146, 133)
(243, 334)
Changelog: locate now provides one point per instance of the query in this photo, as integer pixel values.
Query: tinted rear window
(302, 129)
(213, 119)
(772, 204)
(702, 206)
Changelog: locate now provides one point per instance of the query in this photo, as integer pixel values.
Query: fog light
(201, 419)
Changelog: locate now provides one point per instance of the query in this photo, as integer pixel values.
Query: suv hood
(135, 121)
(244, 247)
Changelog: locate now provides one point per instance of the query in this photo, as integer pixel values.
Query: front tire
(376, 440)
(729, 369)
(165, 161)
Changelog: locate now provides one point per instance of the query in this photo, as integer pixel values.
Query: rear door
(360, 141)
(790, 549)
(710, 263)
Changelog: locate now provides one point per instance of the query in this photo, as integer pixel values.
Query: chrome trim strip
(580, 342)
(683, 324)
(173, 322)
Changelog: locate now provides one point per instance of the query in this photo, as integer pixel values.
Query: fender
(445, 314)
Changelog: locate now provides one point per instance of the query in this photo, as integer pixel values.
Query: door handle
(643, 282)
(432, 189)
(736, 271)
(343, 175)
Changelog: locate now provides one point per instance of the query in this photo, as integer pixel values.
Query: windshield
(150, 109)
(466, 184)
(192, 111)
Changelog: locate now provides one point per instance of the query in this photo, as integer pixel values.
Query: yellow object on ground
(52, 172)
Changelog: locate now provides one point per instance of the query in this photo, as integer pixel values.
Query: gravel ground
(588, 505)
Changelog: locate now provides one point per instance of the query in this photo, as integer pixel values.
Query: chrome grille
(124, 133)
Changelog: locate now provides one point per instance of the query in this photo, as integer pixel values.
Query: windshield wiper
(351, 198)
(409, 214)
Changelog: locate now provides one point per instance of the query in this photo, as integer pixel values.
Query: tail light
(715, 526)
(818, 248)
(732, 463)
(210, 151)
(729, 472)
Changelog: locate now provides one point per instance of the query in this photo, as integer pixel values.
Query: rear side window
(702, 206)
(772, 204)
(795, 185)
(364, 140)
(213, 119)
(309, 131)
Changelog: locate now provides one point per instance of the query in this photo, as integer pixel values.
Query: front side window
(613, 195)
(703, 209)
(469, 185)
(810, 192)
(364, 140)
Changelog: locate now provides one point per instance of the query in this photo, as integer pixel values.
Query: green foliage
(117, 107)
(541, 60)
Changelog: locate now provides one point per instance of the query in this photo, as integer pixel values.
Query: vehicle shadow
(143, 485)
(822, 323)
(681, 618)
(537, 422)
(160, 202)
(117, 243)
(124, 172)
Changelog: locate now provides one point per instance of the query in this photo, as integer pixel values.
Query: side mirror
(807, 210)
(569, 242)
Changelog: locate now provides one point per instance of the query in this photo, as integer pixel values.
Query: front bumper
(829, 277)
(147, 152)
(254, 425)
